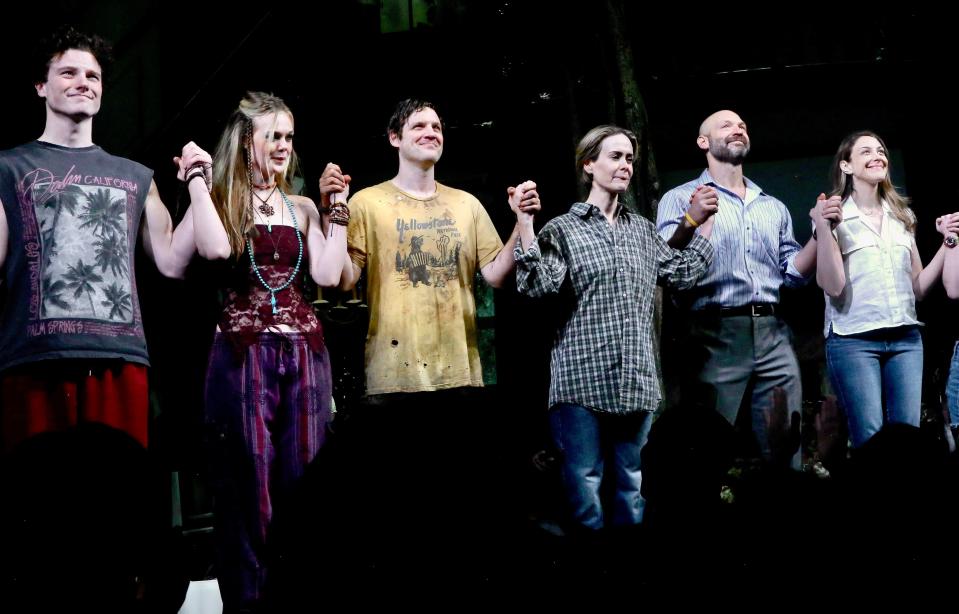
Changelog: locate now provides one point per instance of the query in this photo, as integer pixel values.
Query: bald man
(742, 347)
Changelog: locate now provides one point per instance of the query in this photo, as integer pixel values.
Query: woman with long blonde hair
(268, 384)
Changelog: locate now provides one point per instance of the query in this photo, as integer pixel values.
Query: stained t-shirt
(69, 285)
(420, 255)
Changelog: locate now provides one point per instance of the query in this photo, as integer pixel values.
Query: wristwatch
(951, 240)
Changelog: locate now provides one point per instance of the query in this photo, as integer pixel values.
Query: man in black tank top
(71, 337)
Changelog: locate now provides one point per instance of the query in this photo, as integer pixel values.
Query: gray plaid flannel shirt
(602, 355)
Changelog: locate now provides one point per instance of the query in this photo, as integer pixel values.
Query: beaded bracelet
(340, 214)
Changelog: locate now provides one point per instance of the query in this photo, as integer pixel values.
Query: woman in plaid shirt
(604, 261)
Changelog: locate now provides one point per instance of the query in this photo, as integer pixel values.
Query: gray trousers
(743, 360)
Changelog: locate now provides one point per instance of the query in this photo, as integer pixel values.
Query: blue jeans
(587, 439)
(877, 377)
(952, 388)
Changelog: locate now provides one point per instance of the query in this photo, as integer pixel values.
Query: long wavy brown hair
(232, 180)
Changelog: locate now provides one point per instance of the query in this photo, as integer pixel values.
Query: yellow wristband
(690, 219)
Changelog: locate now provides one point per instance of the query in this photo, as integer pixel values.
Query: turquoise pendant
(273, 303)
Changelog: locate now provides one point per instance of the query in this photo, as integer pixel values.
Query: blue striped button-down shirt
(753, 242)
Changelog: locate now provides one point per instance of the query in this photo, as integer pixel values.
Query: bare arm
(328, 256)
(498, 270)
(950, 273)
(170, 250)
(351, 276)
(950, 266)
(830, 273)
(924, 278)
(201, 218)
(524, 201)
(683, 235)
(200, 228)
(335, 187)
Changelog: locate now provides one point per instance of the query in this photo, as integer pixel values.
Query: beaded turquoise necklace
(299, 258)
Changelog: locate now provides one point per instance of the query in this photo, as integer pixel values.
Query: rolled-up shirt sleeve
(680, 269)
(541, 269)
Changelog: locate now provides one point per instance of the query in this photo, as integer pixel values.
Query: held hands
(193, 157)
(948, 225)
(703, 205)
(524, 200)
(333, 182)
(827, 211)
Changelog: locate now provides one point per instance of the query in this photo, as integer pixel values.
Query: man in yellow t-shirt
(420, 253)
(421, 243)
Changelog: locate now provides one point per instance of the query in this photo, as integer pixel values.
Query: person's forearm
(496, 272)
(830, 272)
(950, 272)
(805, 260)
(683, 234)
(930, 274)
(526, 235)
(209, 235)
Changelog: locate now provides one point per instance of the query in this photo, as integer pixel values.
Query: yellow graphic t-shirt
(420, 257)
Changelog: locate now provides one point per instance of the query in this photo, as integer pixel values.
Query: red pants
(54, 395)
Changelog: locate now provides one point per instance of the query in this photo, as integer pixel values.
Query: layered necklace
(269, 230)
(267, 210)
(264, 207)
(276, 253)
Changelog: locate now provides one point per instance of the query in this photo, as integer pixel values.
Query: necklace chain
(299, 258)
(265, 207)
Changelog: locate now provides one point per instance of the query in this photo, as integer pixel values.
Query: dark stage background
(517, 84)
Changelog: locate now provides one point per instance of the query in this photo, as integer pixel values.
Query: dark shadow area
(85, 526)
